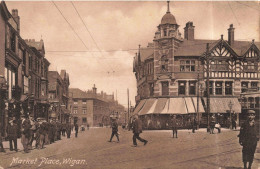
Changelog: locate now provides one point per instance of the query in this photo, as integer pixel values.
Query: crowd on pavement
(41, 131)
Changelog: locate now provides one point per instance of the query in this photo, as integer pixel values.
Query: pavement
(91, 150)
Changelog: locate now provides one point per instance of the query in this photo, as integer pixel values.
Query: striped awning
(221, 105)
(180, 105)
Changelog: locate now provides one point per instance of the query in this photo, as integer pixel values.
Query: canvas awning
(147, 106)
(177, 106)
(139, 106)
(161, 103)
(221, 105)
(190, 105)
(201, 108)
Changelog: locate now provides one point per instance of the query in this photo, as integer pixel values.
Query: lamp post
(230, 104)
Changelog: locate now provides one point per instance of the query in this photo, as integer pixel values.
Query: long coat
(137, 126)
(114, 127)
(12, 131)
(248, 139)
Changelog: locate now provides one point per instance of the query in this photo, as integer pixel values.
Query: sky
(102, 49)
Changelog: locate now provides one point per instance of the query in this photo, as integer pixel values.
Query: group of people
(40, 131)
(136, 126)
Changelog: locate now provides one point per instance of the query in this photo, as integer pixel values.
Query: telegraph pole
(128, 104)
(198, 92)
(208, 94)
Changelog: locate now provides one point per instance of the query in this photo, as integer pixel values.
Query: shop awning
(177, 106)
(161, 103)
(147, 106)
(201, 108)
(139, 106)
(190, 105)
(221, 105)
(151, 111)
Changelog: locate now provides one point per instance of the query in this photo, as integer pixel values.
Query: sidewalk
(20, 146)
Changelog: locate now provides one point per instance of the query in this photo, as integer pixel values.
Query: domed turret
(168, 18)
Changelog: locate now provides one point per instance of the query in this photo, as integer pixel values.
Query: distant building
(171, 74)
(59, 95)
(91, 107)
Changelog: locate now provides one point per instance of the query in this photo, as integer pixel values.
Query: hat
(250, 112)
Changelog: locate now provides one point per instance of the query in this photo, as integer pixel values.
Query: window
(164, 63)
(13, 41)
(30, 62)
(182, 88)
(210, 87)
(75, 102)
(244, 87)
(187, 65)
(84, 120)
(75, 110)
(151, 89)
(228, 88)
(254, 85)
(218, 88)
(165, 88)
(192, 88)
(10, 75)
(165, 32)
(84, 110)
(84, 102)
(25, 85)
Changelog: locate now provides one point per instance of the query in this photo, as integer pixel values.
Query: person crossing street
(114, 130)
(137, 130)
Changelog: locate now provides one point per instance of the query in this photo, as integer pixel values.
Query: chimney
(16, 18)
(94, 89)
(189, 31)
(231, 35)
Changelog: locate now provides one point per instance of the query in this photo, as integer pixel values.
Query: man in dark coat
(68, 130)
(194, 125)
(137, 130)
(1, 143)
(114, 127)
(12, 135)
(174, 126)
(248, 139)
(76, 130)
(25, 133)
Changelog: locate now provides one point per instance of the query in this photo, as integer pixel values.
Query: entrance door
(165, 88)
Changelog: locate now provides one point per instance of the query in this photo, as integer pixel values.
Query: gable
(252, 52)
(222, 49)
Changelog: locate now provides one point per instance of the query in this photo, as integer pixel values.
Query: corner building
(171, 74)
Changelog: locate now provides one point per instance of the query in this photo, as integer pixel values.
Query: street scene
(131, 84)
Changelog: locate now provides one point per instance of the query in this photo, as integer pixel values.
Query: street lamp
(230, 104)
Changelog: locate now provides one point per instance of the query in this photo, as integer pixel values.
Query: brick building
(59, 95)
(171, 74)
(23, 71)
(92, 107)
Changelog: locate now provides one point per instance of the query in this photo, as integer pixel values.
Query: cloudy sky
(102, 51)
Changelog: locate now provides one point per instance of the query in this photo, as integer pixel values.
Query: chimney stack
(17, 19)
(231, 35)
(94, 89)
(189, 31)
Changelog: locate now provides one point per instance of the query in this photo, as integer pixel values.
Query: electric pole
(208, 94)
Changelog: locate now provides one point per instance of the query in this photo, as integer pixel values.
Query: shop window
(218, 88)
(182, 88)
(192, 88)
(228, 88)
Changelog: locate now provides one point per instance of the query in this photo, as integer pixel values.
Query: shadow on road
(233, 168)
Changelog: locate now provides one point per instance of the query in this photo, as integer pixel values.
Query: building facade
(59, 95)
(16, 71)
(171, 74)
(90, 107)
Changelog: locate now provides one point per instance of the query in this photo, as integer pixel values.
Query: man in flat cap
(248, 139)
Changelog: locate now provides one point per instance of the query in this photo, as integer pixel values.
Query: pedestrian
(1, 143)
(12, 135)
(68, 130)
(248, 139)
(114, 127)
(25, 130)
(218, 127)
(87, 126)
(212, 125)
(194, 125)
(137, 130)
(76, 130)
(63, 128)
(32, 131)
(173, 125)
(234, 124)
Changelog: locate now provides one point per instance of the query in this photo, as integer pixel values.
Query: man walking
(248, 139)
(25, 133)
(76, 130)
(12, 135)
(114, 126)
(137, 130)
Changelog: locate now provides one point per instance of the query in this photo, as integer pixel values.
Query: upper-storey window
(228, 88)
(165, 32)
(244, 87)
(182, 88)
(218, 88)
(187, 65)
(164, 63)
(192, 88)
(13, 41)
